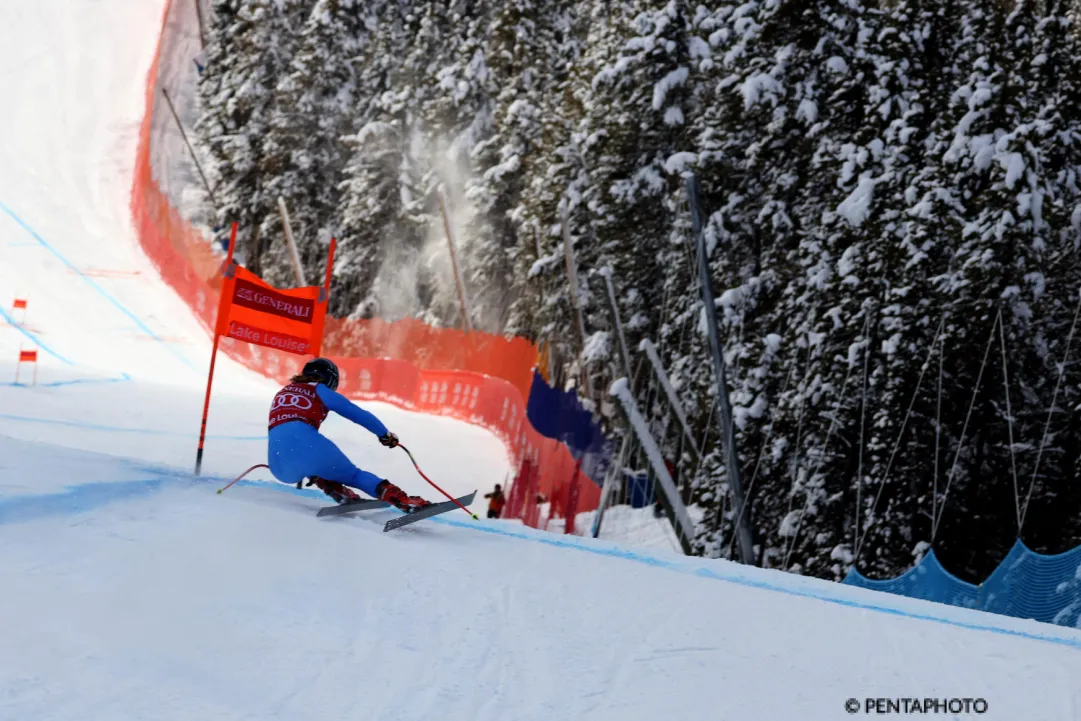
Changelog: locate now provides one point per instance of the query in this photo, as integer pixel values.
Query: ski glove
(389, 440)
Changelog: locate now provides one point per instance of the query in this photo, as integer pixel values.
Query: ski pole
(261, 465)
(452, 498)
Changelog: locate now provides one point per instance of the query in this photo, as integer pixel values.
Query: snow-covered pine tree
(1052, 510)
(469, 97)
(978, 261)
(541, 309)
(869, 171)
(250, 45)
(378, 231)
(789, 98)
(637, 209)
(892, 498)
(991, 257)
(623, 201)
(853, 310)
(390, 206)
(447, 113)
(527, 66)
(1017, 218)
(565, 181)
(304, 155)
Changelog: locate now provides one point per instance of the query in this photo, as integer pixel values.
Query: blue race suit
(297, 450)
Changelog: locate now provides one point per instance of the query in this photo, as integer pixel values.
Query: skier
(495, 505)
(297, 450)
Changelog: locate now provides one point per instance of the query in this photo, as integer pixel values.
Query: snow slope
(129, 590)
(153, 598)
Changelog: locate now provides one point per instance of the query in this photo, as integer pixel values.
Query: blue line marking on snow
(78, 381)
(124, 377)
(582, 544)
(120, 429)
(104, 293)
(89, 496)
(75, 499)
(43, 346)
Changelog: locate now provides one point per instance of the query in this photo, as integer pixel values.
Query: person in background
(496, 501)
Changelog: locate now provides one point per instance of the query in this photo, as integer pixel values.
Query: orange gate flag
(256, 312)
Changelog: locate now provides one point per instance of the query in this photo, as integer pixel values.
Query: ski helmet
(323, 369)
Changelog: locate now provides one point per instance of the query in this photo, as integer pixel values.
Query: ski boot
(387, 491)
(337, 491)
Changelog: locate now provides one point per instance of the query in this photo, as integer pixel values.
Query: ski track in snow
(129, 590)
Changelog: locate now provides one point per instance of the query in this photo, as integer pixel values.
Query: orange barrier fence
(511, 359)
(565, 499)
(479, 378)
(491, 403)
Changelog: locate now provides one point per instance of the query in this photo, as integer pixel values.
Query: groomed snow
(130, 590)
(161, 600)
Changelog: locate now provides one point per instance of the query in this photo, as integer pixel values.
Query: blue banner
(560, 415)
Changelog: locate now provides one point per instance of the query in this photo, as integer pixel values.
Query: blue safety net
(1031, 585)
(1025, 585)
(927, 580)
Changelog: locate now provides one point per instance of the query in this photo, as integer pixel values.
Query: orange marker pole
(330, 262)
(206, 406)
(452, 498)
(213, 357)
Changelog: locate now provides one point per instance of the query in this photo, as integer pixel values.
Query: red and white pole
(19, 304)
(230, 483)
(27, 356)
(430, 481)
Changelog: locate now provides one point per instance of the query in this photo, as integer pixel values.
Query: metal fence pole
(743, 527)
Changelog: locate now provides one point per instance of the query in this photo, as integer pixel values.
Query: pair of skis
(419, 515)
